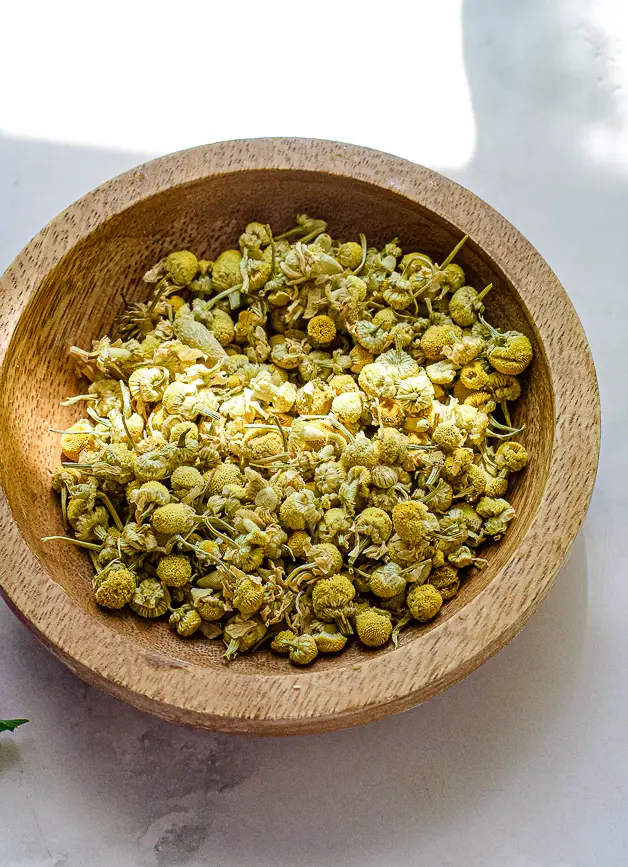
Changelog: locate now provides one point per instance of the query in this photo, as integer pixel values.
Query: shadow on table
(9, 753)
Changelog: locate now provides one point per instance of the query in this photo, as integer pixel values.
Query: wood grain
(66, 286)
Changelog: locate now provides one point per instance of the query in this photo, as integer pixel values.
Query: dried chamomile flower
(221, 326)
(390, 413)
(241, 635)
(258, 272)
(354, 492)
(440, 393)
(464, 351)
(288, 354)
(275, 547)
(437, 337)
(397, 291)
(303, 650)
(114, 588)
(387, 581)
(460, 558)
(465, 304)
(497, 525)
(324, 559)
(466, 513)
(342, 383)
(474, 376)
(345, 295)
(456, 463)
(482, 400)
(284, 397)
(441, 373)
(328, 638)
(255, 236)
(475, 481)
(384, 476)
(321, 330)
(372, 336)
(350, 255)
(331, 598)
(391, 448)
(267, 498)
(374, 628)
(173, 519)
(359, 452)
(120, 458)
(300, 510)
(185, 621)
(347, 407)
(174, 429)
(333, 526)
(504, 387)
(415, 393)
(136, 538)
(409, 520)
(424, 602)
(282, 642)
(209, 606)
(175, 394)
(266, 445)
(461, 306)
(329, 476)
(109, 550)
(127, 429)
(184, 479)
(511, 456)
(490, 507)
(385, 318)
(226, 271)
(510, 352)
(452, 276)
(181, 267)
(377, 380)
(224, 474)
(91, 524)
(473, 421)
(314, 398)
(79, 437)
(148, 383)
(359, 358)
(399, 364)
(440, 497)
(443, 576)
(249, 595)
(375, 524)
(175, 570)
(383, 498)
(150, 599)
(448, 437)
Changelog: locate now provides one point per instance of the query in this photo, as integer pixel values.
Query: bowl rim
(384, 683)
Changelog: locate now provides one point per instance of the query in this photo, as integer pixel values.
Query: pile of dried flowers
(294, 443)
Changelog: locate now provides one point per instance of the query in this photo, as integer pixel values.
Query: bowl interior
(78, 300)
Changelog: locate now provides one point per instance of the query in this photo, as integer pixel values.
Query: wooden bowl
(65, 288)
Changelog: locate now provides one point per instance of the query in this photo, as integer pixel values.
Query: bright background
(524, 764)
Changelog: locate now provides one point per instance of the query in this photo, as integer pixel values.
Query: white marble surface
(524, 764)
